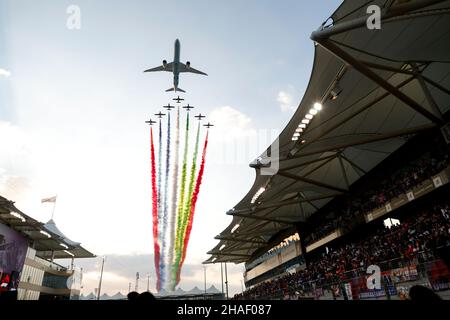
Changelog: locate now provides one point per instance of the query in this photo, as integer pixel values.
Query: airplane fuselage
(176, 67)
(176, 64)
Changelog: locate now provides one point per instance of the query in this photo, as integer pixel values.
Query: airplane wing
(184, 68)
(162, 68)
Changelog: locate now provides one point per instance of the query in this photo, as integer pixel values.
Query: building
(374, 96)
(28, 250)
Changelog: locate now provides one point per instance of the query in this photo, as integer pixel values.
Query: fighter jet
(176, 67)
(188, 107)
(178, 99)
(200, 116)
(160, 115)
(150, 122)
(208, 125)
(169, 107)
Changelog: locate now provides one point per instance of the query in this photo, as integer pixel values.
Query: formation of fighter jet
(188, 107)
(169, 107)
(160, 115)
(150, 122)
(208, 125)
(200, 116)
(176, 67)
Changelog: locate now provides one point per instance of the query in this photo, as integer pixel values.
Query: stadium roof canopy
(47, 239)
(377, 88)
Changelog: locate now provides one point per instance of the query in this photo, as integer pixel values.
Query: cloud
(13, 187)
(230, 122)
(5, 73)
(286, 101)
(236, 140)
(14, 152)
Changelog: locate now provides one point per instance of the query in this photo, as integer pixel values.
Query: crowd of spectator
(421, 233)
(399, 183)
(274, 251)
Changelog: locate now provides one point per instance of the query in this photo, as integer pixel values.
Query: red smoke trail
(193, 203)
(155, 212)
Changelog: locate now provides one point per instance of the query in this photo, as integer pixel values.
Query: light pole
(136, 288)
(226, 279)
(101, 279)
(221, 276)
(148, 282)
(204, 273)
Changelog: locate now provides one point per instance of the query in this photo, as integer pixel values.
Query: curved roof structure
(48, 240)
(369, 92)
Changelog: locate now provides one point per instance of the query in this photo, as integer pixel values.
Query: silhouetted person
(421, 293)
(146, 296)
(133, 295)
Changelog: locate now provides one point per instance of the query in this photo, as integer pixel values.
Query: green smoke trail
(181, 198)
(187, 205)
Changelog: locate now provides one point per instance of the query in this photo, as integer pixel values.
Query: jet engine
(188, 64)
(164, 63)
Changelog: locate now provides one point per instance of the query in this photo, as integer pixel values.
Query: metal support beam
(354, 165)
(343, 172)
(329, 158)
(256, 230)
(427, 93)
(357, 65)
(437, 85)
(228, 254)
(388, 68)
(285, 203)
(310, 181)
(249, 216)
(219, 237)
(377, 138)
(357, 112)
(305, 163)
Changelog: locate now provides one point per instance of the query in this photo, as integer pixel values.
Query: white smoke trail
(173, 213)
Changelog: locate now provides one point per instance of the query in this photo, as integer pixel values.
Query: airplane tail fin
(173, 89)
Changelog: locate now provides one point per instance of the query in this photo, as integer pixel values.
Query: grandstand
(363, 166)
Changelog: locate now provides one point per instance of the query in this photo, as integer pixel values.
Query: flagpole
(54, 205)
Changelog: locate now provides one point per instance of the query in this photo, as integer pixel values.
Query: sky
(73, 104)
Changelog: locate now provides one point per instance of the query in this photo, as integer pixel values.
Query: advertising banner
(13, 249)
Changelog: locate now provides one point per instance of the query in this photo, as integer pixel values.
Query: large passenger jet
(176, 67)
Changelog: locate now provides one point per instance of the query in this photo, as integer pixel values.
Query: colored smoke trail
(181, 197)
(159, 181)
(187, 205)
(155, 210)
(160, 213)
(173, 209)
(192, 210)
(165, 208)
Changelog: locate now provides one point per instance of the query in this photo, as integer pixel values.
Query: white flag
(51, 199)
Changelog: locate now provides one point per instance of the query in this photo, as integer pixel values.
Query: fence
(395, 276)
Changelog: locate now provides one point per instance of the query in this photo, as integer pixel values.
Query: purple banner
(13, 249)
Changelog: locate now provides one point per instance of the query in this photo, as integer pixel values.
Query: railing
(396, 277)
(423, 187)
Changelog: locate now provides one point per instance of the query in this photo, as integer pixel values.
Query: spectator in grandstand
(396, 184)
(388, 248)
